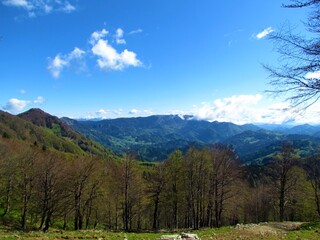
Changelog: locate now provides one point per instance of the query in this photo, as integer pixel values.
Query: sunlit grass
(307, 231)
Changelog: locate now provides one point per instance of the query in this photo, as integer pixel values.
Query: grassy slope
(23, 130)
(269, 231)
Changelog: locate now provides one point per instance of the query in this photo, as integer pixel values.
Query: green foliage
(310, 225)
(51, 133)
(154, 138)
(56, 129)
(59, 179)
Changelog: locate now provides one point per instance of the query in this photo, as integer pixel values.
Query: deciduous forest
(207, 187)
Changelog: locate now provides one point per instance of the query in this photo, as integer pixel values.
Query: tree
(298, 73)
(224, 172)
(312, 168)
(173, 186)
(284, 180)
(8, 174)
(50, 187)
(26, 183)
(131, 186)
(156, 181)
(193, 160)
(79, 179)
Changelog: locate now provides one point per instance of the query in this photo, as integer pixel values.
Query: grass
(268, 231)
(77, 235)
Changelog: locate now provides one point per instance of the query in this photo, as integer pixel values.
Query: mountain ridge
(155, 136)
(38, 127)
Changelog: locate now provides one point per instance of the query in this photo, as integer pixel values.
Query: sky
(125, 58)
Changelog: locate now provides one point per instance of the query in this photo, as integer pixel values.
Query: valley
(154, 138)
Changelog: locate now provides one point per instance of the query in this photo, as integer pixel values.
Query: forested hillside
(40, 128)
(154, 138)
(205, 187)
(52, 176)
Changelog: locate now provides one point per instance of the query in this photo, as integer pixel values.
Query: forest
(207, 187)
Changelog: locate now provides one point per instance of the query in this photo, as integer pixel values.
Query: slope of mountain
(260, 146)
(305, 129)
(38, 127)
(154, 137)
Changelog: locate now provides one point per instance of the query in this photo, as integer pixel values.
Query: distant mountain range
(155, 137)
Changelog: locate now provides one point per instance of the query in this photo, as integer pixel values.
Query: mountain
(305, 129)
(37, 127)
(260, 146)
(155, 137)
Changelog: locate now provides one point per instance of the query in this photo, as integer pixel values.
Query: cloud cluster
(59, 62)
(242, 109)
(238, 109)
(108, 58)
(119, 36)
(40, 7)
(264, 33)
(115, 113)
(136, 31)
(145, 112)
(104, 114)
(16, 105)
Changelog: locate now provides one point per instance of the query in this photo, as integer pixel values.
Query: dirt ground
(271, 230)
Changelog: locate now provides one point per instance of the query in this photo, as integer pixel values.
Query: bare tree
(173, 182)
(156, 181)
(298, 74)
(312, 168)
(283, 178)
(8, 174)
(224, 172)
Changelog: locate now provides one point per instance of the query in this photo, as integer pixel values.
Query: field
(271, 231)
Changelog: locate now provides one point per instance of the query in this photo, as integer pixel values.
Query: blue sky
(124, 58)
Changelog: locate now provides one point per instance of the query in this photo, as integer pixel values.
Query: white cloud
(241, 109)
(40, 7)
(68, 8)
(135, 31)
(18, 3)
(313, 75)
(133, 111)
(145, 112)
(56, 65)
(237, 109)
(39, 100)
(76, 54)
(101, 113)
(97, 35)
(16, 105)
(47, 9)
(104, 114)
(110, 59)
(59, 62)
(264, 33)
(22, 91)
(119, 36)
